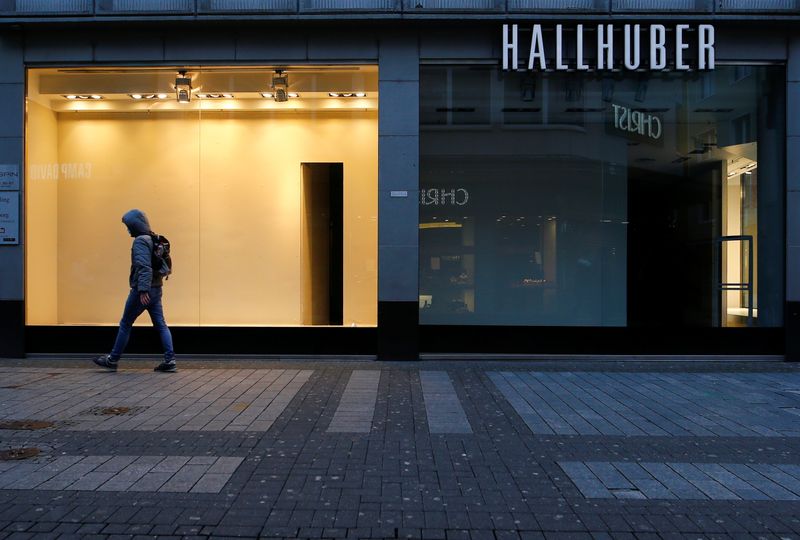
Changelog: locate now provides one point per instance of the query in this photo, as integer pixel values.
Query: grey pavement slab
(203, 474)
(188, 400)
(652, 404)
(357, 404)
(686, 481)
(442, 405)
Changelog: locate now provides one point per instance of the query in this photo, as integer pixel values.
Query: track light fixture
(183, 88)
(148, 96)
(347, 94)
(280, 85)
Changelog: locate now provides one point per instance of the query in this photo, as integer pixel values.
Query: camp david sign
(608, 47)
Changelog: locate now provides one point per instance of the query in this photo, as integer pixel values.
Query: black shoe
(167, 366)
(105, 361)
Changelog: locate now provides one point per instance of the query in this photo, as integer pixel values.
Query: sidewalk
(432, 450)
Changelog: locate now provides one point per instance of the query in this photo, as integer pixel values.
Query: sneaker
(167, 366)
(105, 361)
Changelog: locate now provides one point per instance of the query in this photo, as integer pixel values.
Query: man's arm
(142, 250)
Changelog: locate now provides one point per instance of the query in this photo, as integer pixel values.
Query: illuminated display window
(239, 168)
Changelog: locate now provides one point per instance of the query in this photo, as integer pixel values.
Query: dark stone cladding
(12, 328)
(793, 331)
(398, 330)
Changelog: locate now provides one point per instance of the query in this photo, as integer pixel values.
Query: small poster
(9, 177)
(9, 218)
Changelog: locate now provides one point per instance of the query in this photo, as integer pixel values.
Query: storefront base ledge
(219, 357)
(602, 341)
(607, 357)
(207, 341)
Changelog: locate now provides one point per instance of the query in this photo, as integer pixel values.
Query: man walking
(145, 294)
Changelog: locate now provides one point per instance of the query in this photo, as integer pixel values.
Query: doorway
(323, 242)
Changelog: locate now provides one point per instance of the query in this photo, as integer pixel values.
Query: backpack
(161, 261)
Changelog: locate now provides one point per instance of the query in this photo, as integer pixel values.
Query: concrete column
(12, 107)
(792, 314)
(398, 196)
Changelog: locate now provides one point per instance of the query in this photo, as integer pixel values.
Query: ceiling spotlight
(293, 95)
(83, 96)
(71, 97)
(280, 85)
(148, 96)
(183, 88)
(347, 94)
(95, 96)
(267, 95)
(215, 96)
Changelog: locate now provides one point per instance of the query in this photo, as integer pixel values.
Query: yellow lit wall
(150, 162)
(226, 189)
(42, 218)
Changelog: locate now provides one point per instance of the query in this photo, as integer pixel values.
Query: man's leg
(133, 308)
(156, 311)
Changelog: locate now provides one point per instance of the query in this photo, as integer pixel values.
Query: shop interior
(264, 179)
(543, 203)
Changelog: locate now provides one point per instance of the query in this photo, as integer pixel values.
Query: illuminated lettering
(510, 45)
(603, 47)
(638, 122)
(444, 197)
(537, 48)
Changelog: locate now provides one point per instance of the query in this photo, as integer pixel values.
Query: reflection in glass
(579, 199)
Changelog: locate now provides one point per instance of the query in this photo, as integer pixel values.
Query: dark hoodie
(142, 276)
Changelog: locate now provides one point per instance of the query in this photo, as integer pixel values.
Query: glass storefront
(269, 200)
(584, 199)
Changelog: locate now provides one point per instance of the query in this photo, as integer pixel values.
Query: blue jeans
(134, 308)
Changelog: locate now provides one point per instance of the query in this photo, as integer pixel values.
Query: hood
(136, 222)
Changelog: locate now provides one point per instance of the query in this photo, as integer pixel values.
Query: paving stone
(151, 481)
(442, 405)
(211, 483)
(357, 404)
(185, 479)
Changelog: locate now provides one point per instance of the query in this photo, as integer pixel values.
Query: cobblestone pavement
(430, 450)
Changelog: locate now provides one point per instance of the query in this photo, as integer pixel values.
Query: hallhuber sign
(608, 47)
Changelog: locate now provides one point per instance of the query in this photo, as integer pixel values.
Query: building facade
(402, 178)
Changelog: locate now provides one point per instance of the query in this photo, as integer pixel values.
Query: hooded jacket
(142, 276)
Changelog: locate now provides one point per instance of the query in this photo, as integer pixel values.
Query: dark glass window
(602, 200)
